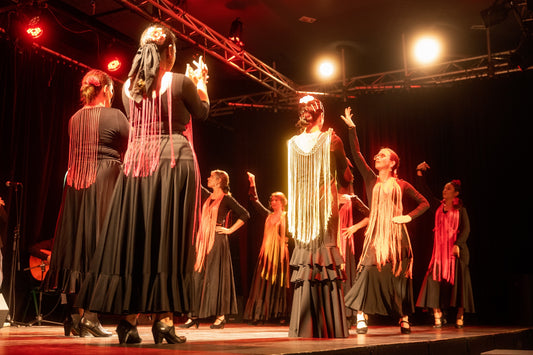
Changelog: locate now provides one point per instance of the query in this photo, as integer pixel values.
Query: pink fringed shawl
(445, 234)
(83, 147)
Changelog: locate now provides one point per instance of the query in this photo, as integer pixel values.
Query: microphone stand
(15, 258)
(39, 317)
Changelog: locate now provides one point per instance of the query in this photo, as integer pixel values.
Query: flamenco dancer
(384, 282)
(148, 234)
(98, 139)
(447, 283)
(214, 285)
(317, 163)
(270, 292)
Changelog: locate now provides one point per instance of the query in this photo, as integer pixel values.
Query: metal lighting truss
(193, 31)
(429, 76)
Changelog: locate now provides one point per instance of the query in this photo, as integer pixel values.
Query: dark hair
(145, 67)
(311, 105)
(92, 83)
(224, 180)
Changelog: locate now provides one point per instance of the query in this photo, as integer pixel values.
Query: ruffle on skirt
(322, 264)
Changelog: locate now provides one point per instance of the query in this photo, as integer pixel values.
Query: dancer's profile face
(213, 180)
(448, 192)
(382, 160)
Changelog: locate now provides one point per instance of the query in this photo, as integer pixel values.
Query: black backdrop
(475, 130)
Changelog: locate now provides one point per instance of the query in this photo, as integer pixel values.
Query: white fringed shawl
(310, 195)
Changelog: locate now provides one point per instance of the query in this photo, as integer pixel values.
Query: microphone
(13, 183)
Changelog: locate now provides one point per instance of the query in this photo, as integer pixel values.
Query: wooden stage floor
(239, 338)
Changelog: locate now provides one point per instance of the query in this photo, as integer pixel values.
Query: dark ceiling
(371, 33)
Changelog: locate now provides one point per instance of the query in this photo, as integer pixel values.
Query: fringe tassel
(309, 189)
(83, 147)
(445, 235)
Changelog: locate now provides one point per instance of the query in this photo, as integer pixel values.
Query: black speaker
(3, 311)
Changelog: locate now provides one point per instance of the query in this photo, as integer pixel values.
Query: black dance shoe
(162, 331)
(219, 325)
(192, 323)
(127, 333)
(405, 330)
(95, 328)
(72, 325)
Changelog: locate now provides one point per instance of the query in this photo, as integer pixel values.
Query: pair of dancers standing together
(383, 281)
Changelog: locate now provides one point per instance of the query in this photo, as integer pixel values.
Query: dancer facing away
(447, 282)
(270, 292)
(98, 136)
(148, 234)
(317, 163)
(214, 285)
(384, 282)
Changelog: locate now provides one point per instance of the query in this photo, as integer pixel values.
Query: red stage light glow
(33, 29)
(114, 64)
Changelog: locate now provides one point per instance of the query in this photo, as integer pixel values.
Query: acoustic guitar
(39, 267)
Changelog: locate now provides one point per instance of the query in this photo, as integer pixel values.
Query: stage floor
(238, 338)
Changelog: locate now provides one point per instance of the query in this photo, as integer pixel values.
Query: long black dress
(443, 294)
(214, 285)
(318, 302)
(270, 292)
(351, 247)
(147, 243)
(83, 210)
(383, 290)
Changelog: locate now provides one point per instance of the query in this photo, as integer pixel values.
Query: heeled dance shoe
(190, 323)
(361, 329)
(127, 333)
(218, 325)
(162, 331)
(405, 330)
(439, 322)
(459, 323)
(95, 328)
(71, 325)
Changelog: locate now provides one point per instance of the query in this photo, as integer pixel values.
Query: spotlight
(114, 64)
(326, 67)
(235, 32)
(427, 50)
(34, 28)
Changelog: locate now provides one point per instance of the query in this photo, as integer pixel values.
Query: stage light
(235, 32)
(34, 27)
(326, 68)
(114, 64)
(427, 49)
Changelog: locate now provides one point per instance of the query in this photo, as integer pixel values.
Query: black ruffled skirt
(78, 229)
(318, 309)
(147, 240)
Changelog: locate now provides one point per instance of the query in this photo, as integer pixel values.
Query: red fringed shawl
(445, 234)
(345, 221)
(83, 147)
